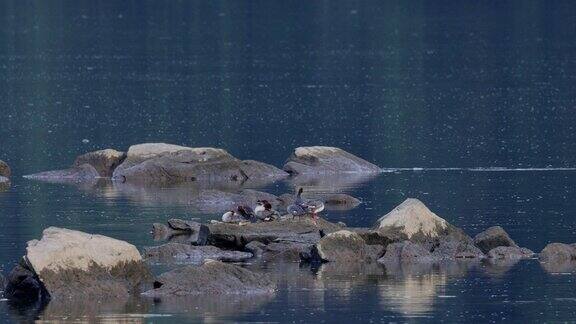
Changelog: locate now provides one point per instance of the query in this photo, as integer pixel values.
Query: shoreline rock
(326, 160)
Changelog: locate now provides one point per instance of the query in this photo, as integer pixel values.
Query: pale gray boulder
(326, 160)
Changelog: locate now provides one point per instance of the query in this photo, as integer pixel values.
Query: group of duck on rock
(263, 211)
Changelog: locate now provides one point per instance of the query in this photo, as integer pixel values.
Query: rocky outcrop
(104, 161)
(71, 263)
(5, 170)
(493, 237)
(213, 278)
(326, 160)
(413, 221)
(165, 163)
(185, 253)
(510, 253)
(236, 236)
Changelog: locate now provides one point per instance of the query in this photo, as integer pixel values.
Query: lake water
(454, 89)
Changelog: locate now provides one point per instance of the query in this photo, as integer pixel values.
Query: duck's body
(264, 211)
(302, 207)
(231, 217)
(247, 213)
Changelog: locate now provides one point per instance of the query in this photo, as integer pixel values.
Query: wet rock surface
(185, 253)
(493, 237)
(326, 160)
(214, 278)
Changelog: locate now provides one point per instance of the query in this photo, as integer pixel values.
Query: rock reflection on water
(330, 183)
(412, 288)
(557, 267)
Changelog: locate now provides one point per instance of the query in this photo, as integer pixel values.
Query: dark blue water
(427, 84)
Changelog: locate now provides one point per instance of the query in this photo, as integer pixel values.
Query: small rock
(256, 248)
(24, 285)
(450, 249)
(493, 237)
(198, 233)
(213, 278)
(104, 161)
(558, 252)
(341, 246)
(171, 252)
(160, 232)
(326, 160)
(343, 200)
(5, 170)
(510, 252)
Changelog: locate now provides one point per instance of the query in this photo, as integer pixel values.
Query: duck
(301, 207)
(231, 217)
(247, 213)
(264, 211)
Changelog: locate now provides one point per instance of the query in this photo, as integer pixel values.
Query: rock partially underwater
(326, 160)
(185, 253)
(70, 264)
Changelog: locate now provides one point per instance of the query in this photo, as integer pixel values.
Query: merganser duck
(247, 213)
(231, 217)
(264, 211)
(309, 207)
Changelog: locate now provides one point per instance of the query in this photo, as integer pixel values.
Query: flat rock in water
(298, 230)
(5, 170)
(214, 278)
(493, 237)
(197, 234)
(177, 252)
(510, 252)
(326, 160)
(413, 221)
(165, 163)
(82, 172)
(71, 263)
(104, 161)
(558, 258)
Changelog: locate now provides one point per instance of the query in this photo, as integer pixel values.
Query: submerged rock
(5, 170)
(332, 201)
(72, 263)
(510, 253)
(214, 278)
(165, 163)
(104, 161)
(80, 173)
(493, 237)
(177, 252)
(326, 160)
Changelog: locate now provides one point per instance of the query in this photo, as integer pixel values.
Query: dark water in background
(425, 84)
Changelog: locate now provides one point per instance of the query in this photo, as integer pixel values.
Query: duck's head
(300, 191)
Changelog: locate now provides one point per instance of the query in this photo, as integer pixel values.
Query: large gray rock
(493, 237)
(164, 163)
(104, 161)
(341, 246)
(406, 251)
(185, 253)
(5, 170)
(510, 253)
(213, 278)
(413, 221)
(72, 263)
(228, 235)
(326, 160)
(82, 172)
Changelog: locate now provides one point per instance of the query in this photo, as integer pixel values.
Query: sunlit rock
(72, 263)
(5, 170)
(211, 278)
(326, 160)
(413, 221)
(493, 237)
(104, 161)
(185, 253)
